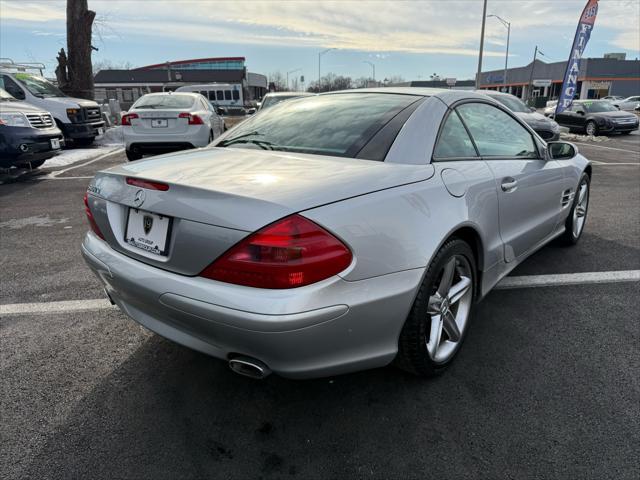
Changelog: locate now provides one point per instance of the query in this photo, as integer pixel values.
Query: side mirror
(561, 150)
(221, 111)
(251, 111)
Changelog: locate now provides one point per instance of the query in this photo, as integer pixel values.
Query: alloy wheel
(580, 210)
(591, 129)
(449, 308)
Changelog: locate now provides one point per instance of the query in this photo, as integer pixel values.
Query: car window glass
(220, 94)
(227, 94)
(496, 133)
(165, 101)
(454, 141)
(236, 95)
(212, 95)
(12, 87)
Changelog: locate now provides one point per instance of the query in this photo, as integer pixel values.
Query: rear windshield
(165, 101)
(336, 124)
(271, 101)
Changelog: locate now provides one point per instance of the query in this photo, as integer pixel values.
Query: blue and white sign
(583, 32)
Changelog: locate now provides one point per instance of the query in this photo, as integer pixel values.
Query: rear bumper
(20, 145)
(164, 141)
(327, 328)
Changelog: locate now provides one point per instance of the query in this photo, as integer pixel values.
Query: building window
(127, 95)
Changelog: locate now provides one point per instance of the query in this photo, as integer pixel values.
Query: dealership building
(598, 77)
(127, 86)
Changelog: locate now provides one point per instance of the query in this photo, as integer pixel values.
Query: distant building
(127, 86)
(459, 85)
(598, 78)
(617, 56)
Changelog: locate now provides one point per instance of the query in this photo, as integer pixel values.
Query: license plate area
(148, 231)
(159, 123)
(55, 143)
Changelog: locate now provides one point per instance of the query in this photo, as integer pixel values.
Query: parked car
(270, 99)
(612, 98)
(219, 94)
(28, 135)
(550, 108)
(629, 103)
(595, 117)
(547, 128)
(80, 120)
(166, 122)
(334, 233)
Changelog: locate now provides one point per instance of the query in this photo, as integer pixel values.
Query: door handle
(509, 184)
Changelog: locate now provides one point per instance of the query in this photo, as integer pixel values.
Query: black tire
(210, 137)
(625, 133)
(131, 156)
(569, 237)
(595, 128)
(37, 163)
(412, 354)
(84, 142)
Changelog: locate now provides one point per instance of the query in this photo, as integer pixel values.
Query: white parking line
(54, 175)
(526, 281)
(531, 281)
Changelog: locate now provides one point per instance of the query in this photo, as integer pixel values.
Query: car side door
(529, 185)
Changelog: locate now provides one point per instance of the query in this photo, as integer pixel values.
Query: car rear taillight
(90, 218)
(126, 119)
(193, 119)
(148, 184)
(289, 253)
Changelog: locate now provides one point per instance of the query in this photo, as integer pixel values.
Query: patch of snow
(37, 221)
(113, 136)
(584, 138)
(73, 155)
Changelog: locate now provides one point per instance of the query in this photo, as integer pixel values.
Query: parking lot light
(506, 56)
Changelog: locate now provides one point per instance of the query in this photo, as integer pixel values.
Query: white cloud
(32, 11)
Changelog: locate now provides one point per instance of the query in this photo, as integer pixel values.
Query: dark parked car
(543, 126)
(27, 134)
(596, 117)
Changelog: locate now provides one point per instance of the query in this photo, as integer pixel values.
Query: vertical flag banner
(583, 32)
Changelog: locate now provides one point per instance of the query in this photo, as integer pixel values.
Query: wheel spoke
(435, 301)
(450, 326)
(458, 290)
(447, 277)
(435, 335)
(583, 194)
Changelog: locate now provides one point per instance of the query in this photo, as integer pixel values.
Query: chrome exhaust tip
(249, 367)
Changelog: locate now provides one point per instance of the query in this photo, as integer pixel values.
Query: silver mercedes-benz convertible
(334, 233)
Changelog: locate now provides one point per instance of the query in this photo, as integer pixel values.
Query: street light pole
(484, 21)
(319, 57)
(506, 57)
(292, 71)
(533, 66)
(373, 66)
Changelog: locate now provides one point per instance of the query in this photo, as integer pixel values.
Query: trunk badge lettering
(139, 198)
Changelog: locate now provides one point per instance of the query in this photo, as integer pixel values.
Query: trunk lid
(159, 122)
(216, 196)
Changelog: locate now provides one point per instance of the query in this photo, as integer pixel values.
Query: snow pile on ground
(73, 155)
(112, 136)
(583, 138)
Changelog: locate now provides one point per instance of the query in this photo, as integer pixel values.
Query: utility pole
(319, 58)
(292, 71)
(533, 66)
(506, 57)
(373, 66)
(484, 20)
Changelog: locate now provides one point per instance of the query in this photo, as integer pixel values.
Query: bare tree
(278, 81)
(331, 82)
(74, 68)
(109, 65)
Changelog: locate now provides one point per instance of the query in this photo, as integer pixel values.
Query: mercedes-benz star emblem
(139, 198)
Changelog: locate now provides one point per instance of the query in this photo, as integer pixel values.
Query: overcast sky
(413, 39)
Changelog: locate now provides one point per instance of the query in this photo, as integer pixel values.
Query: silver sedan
(334, 233)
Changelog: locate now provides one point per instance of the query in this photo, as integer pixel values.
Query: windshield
(165, 101)
(594, 107)
(5, 96)
(38, 86)
(512, 103)
(337, 124)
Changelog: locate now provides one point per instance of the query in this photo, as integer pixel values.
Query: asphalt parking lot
(546, 385)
